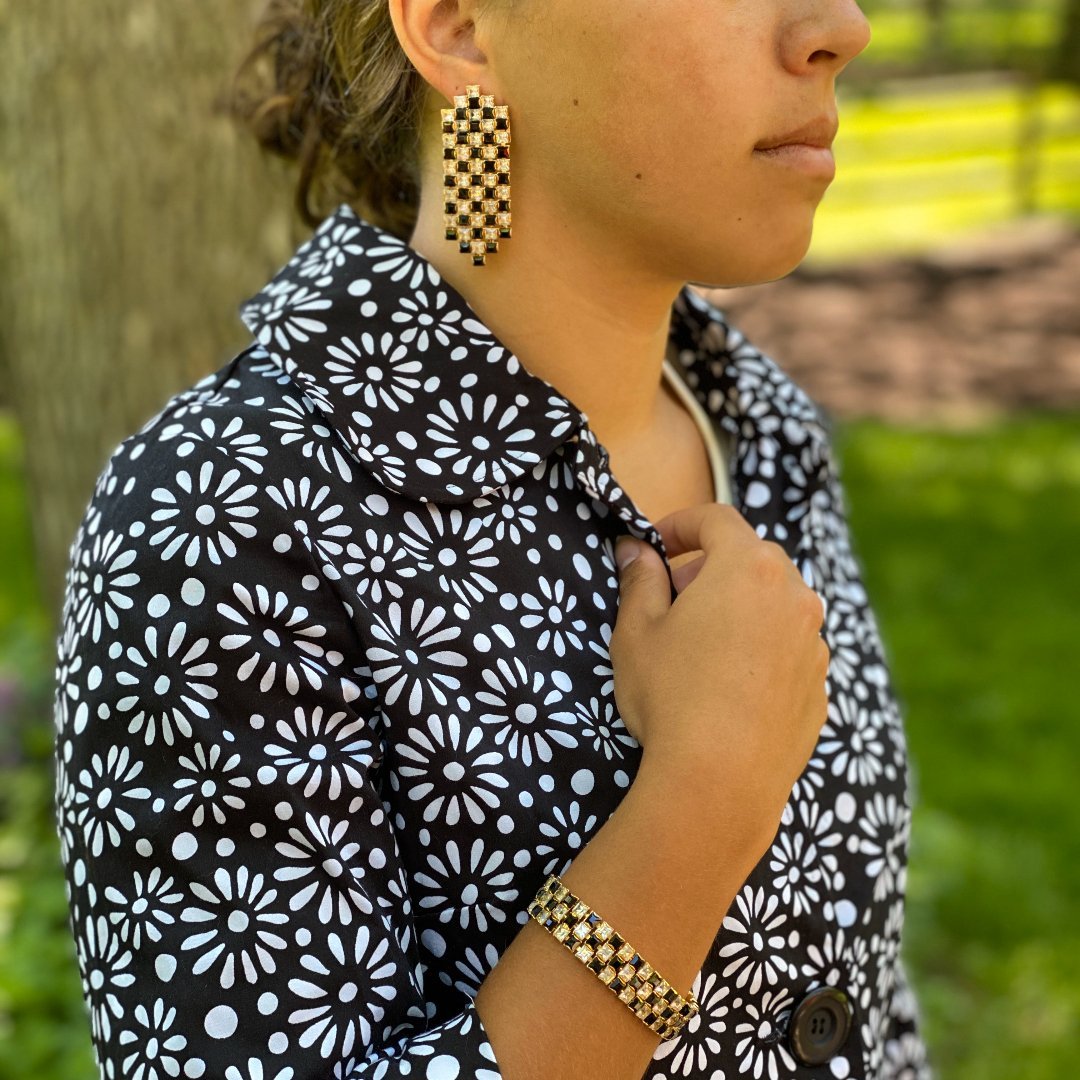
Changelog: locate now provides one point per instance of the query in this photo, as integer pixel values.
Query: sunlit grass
(916, 169)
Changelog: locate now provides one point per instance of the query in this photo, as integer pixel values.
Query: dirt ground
(951, 339)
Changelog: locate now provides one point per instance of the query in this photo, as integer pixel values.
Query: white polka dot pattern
(334, 698)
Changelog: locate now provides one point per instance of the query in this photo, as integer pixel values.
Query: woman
(351, 691)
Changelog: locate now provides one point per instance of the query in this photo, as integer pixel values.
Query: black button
(820, 1025)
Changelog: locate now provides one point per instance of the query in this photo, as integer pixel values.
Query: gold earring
(476, 173)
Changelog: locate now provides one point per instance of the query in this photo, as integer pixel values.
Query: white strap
(717, 451)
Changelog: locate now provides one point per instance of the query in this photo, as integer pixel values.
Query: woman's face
(640, 119)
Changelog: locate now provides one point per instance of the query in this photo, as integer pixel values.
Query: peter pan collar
(437, 408)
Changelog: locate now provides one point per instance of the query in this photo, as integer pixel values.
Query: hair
(342, 99)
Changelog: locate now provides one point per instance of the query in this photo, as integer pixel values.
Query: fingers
(683, 575)
(700, 527)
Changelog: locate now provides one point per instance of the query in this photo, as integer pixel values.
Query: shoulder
(249, 411)
(222, 503)
(198, 563)
(217, 454)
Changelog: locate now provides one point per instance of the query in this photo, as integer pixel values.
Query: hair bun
(327, 85)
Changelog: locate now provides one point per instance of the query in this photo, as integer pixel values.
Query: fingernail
(627, 549)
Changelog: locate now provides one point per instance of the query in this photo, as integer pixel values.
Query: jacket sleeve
(238, 901)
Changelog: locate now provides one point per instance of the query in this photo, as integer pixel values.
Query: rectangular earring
(476, 173)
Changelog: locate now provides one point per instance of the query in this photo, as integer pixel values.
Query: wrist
(676, 768)
(696, 796)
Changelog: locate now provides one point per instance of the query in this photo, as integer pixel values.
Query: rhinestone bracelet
(611, 958)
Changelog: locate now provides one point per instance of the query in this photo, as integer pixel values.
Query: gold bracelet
(592, 940)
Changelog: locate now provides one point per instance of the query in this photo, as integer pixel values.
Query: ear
(445, 41)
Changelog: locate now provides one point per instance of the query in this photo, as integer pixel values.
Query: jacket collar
(405, 370)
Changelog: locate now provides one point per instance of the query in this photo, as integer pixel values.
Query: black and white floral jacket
(334, 697)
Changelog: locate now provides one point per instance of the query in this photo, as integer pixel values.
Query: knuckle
(824, 654)
(815, 606)
(769, 561)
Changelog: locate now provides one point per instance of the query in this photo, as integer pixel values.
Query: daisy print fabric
(333, 699)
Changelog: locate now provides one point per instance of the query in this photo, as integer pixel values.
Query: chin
(768, 259)
(780, 268)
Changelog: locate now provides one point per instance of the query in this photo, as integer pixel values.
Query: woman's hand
(730, 677)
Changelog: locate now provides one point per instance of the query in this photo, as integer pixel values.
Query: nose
(831, 38)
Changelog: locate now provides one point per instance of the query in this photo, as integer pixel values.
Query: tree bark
(1067, 61)
(133, 221)
(936, 44)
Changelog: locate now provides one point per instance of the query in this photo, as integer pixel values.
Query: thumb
(643, 584)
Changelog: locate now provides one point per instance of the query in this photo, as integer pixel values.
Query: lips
(819, 132)
(807, 149)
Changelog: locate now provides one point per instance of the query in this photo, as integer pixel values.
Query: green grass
(22, 616)
(44, 1030)
(969, 546)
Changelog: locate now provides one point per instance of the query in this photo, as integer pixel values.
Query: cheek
(660, 112)
(658, 148)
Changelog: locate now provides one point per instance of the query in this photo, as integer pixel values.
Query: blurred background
(937, 319)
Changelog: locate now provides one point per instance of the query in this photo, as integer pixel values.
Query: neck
(576, 312)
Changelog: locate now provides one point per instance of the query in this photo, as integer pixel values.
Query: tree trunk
(132, 223)
(936, 47)
(1067, 61)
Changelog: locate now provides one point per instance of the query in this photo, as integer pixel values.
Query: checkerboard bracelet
(594, 942)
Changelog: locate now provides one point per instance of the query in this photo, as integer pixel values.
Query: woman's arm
(236, 893)
(663, 871)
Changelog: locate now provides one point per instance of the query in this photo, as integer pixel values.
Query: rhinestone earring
(476, 173)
